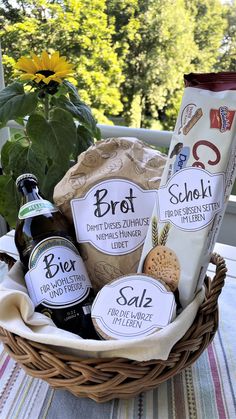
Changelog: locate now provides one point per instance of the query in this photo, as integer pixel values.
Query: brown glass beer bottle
(55, 274)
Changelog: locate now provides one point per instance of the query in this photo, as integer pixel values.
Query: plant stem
(46, 106)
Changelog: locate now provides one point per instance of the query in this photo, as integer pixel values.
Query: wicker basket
(103, 379)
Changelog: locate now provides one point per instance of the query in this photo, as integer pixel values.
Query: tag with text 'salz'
(132, 306)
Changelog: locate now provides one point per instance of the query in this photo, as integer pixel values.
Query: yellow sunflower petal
(37, 62)
(27, 76)
(26, 64)
(61, 60)
(39, 77)
(69, 67)
(58, 66)
(45, 61)
(47, 80)
(63, 67)
(62, 73)
(55, 78)
(54, 59)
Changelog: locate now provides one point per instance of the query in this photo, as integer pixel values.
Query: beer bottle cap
(26, 176)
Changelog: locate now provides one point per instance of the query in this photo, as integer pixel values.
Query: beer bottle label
(36, 207)
(57, 277)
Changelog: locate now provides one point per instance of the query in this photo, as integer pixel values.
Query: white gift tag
(113, 216)
(132, 306)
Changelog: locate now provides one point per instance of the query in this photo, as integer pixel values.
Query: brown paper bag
(126, 173)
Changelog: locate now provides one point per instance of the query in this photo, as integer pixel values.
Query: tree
(129, 54)
(79, 30)
(158, 52)
(209, 27)
(227, 60)
(208, 31)
(159, 42)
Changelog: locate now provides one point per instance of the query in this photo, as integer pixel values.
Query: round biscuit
(162, 263)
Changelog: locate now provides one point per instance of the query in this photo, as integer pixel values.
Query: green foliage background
(129, 58)
(129, 55)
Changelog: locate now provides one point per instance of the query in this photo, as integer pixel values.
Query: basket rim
(103, 379)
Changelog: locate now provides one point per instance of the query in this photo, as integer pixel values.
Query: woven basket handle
(214, 286)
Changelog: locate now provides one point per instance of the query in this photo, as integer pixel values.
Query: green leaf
(55, 141)
(5, 155)
(80, 111)
(64, 130)
(56, 137)
(18, 156)
(15, 103)
(73, 92)
(39, 132)
(84, 140)
(54, 174)
(9, 199)
(20, 121)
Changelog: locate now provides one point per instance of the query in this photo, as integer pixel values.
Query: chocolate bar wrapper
(195, 185)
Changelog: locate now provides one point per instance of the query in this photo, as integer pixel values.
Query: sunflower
(44, 69)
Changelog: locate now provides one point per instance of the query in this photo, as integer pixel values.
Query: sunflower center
(45, 73)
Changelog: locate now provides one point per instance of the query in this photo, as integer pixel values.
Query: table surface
(205, 390)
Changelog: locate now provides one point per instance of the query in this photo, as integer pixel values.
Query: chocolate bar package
(195, 185)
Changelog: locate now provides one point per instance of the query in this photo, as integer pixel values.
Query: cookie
(162, 263)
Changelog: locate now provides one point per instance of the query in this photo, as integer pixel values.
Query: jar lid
(26, 176)
(132, 306)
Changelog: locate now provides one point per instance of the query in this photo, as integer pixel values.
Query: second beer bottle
(55, 274)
